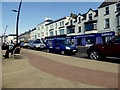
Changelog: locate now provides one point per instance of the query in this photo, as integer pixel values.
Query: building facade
(42, 31)
(25, 36)
(93, 27)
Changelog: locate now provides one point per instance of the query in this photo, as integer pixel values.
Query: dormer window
(118, 7)
(62, 23)
(90, 16)
(107, 10)
(70, 22)
(79, 20)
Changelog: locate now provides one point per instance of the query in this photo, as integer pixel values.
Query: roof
(56, 20)
(84, 15)
(45, 21)
(12, 35)
(108, 2)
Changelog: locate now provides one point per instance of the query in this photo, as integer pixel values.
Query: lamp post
(18, 14)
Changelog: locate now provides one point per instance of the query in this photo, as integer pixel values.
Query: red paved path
(82, 75)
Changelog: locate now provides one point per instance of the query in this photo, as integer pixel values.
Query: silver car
(37, 44)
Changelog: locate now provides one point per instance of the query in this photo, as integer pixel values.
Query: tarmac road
(82, 53)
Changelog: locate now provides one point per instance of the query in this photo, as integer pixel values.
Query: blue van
(61, 46)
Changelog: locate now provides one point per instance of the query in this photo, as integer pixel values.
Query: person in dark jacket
(15, 47)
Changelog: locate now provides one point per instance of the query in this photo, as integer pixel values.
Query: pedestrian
(15, 47)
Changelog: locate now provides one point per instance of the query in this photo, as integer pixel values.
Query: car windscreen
(37, 41)
(64, 42)
(26, 42)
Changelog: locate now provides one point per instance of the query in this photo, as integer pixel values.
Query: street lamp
(18, 14)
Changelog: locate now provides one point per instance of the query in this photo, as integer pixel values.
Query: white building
(93, 27)
(33, 34)
(11, 37)
(57, 27)
(41, 29)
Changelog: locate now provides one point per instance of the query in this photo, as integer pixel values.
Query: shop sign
(108, 34)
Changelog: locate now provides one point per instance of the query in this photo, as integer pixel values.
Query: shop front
(92, 39)
(86, 40)
(55, 37)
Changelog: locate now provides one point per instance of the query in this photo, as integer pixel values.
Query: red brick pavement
(73, 73)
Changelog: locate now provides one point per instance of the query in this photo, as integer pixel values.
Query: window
(70, 22)
(38, 28)
(38, 34)
(51, 33)
(79, 29)
(56, 25)
(51, 26)
(116, 40)
(107, 10)
(42, 26)
(61, 31)
(42, 34)
(35, 36)
(46, 28)
(118, 22)
(107, 23)
(49, 43)
(70, 30)
(90, 16)
(47, 34)
(118, 7)
(56, 43)
(56, 33)
(91, 40)
(37, 41)
(62, 23)
(79, 20)
(89, 27)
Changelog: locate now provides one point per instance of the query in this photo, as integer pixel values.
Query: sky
(33, 13)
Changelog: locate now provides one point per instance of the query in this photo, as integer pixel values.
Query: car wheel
(47, 50)
(62, 52)
(94, 55)
(34, 48)
(28, 47)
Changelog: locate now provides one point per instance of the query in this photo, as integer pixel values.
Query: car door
(56, 46)
(113, 47)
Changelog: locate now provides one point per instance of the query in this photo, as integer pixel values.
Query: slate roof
(108, 2)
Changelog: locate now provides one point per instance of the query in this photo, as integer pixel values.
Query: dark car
(60, 46)
(108, 49)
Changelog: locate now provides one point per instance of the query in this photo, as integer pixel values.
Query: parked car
(30, 44)
(25, 44)
(37, 44)
(61, 46)
(110, 48)
(21, 43)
